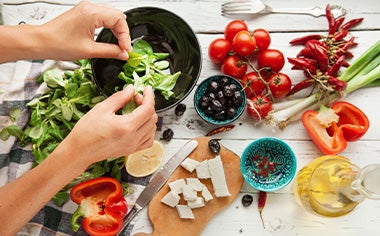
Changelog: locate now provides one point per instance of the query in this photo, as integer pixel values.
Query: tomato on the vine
(253, 84)
(272, 58)
(234, 67)
(244, 44)
(262, 39)
(280, 85)
(258, 107)
(233, 28)
(218, 50)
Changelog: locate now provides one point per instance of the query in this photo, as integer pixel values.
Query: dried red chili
(352, 23)
(220, 129)
(262, 198)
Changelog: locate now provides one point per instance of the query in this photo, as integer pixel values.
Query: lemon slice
(146, 161)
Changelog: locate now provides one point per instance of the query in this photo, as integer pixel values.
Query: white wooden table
(282, 215)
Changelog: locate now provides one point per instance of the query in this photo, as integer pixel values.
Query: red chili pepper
(322, 58)
(334, 69)
(339, 22)
(261, 204)
(331, 128)
(345, 63)
(305, 52)
(340, 35)
(220, 129)
(303, 64)
(102, 205)
(300, 85)
(337, 84)
(330, 20)
(352, 23)
(304, 39)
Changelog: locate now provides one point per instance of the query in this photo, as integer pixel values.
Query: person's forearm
(25, 196)
(22, 42)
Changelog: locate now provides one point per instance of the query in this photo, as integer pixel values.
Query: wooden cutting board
(166, 221)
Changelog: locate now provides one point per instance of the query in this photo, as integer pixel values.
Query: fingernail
(123, 56)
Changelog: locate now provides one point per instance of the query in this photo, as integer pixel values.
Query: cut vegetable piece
(189, 194)
(177, 186)
(202, 170)
(195, 184)
(185, 212)
(199, 202)
(189, 164)
(171, 199)
(206, 194)
(218, 177)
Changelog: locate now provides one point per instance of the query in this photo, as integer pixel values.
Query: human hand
(70, 36)
(102, 134)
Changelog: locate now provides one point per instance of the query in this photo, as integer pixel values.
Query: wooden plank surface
(282, 215)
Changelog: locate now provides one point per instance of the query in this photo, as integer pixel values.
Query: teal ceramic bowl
(268, 164)
(232, 106)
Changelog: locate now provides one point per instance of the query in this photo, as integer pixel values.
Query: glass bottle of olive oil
(332, 186)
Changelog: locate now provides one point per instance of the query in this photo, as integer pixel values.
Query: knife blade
(158, 180)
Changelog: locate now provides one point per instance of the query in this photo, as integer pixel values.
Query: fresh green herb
(145, 67)
(54, 114)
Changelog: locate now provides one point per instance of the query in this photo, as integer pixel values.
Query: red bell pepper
(331, 128)
(102, 205)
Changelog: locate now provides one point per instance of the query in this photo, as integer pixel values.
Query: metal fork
(249, 7)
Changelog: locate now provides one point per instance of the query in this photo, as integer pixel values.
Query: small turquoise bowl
(268, 164)
(203, 89)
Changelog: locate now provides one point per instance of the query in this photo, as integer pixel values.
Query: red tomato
(234, 67)
(262, 39)
(253, 84)
(272, 58)
(218, 50)
(244, 44)
(259, 107)
(233, 28)
(280, 85)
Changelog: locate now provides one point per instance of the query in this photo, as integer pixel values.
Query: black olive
(214, 146)
(208, 111)
(221, 98)
(221, 115)
(230, 112)
(247, 200)
(233, 87)
(224, 81)
(210, 96)
(180, 109)
(213, 86)
(227, 91)
(237, 99)
(216, 105)
(168, 135)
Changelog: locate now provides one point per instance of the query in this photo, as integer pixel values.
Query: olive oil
(324, 186)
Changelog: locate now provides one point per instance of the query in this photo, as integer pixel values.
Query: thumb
(109, 50)
(117, 100)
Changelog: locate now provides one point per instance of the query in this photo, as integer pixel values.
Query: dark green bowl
(268, 164)
(166, 32)
(201, 90)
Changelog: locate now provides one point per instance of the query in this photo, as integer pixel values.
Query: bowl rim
(197, 46)
(284, 183)
(212, 121)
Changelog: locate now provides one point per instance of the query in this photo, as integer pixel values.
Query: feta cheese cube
(202, 170)
(218, 177)
(171, 199)
(177, 186)
(206, 194)
(197, 203)
(189, 164)
(189, 194)
(194, 183)
(185, 212)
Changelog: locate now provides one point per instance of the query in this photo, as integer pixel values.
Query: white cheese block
(189, 194)
(185, 212)
(195, 184)
(189, 164)
(202, 170)
(177, 186)
(171, 199)
(218, 177)
(206, 194)
(197, 203)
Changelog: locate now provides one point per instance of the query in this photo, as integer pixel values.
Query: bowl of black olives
(220, 99)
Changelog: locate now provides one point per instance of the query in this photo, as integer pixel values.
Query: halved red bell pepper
(331, 128)
(102, 205)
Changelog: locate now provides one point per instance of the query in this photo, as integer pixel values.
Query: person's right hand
(102, 134)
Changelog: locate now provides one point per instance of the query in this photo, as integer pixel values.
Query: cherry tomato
(244, 44)
(234, 67)
(272, 58)
(280, 85)
(218, 50)
(253, 84)
(258, 107)
(262, 39)
(233, 28)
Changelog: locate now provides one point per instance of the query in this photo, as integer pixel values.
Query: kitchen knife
(158, 180)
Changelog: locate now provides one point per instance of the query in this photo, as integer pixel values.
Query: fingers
(106, 50)
(115, 102)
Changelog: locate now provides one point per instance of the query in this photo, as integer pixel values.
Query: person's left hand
(70, 36)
